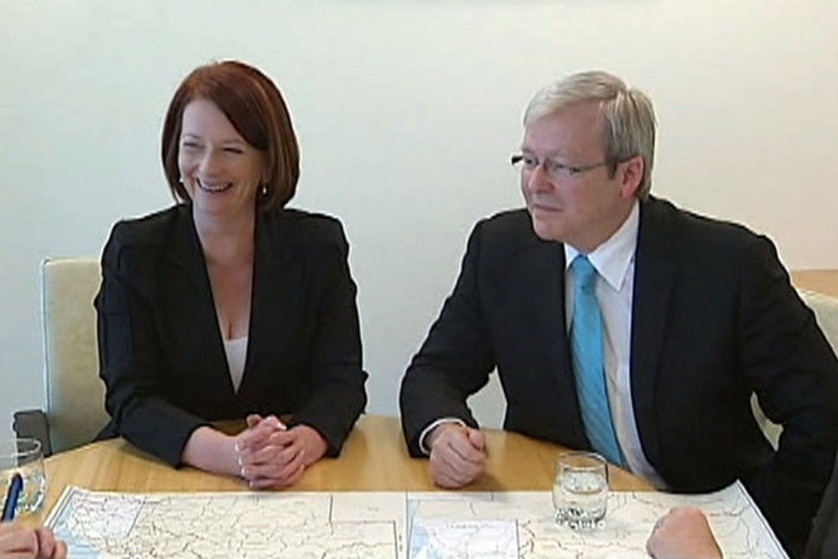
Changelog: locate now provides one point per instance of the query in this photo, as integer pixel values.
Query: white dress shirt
(614, 262)
(236, 351)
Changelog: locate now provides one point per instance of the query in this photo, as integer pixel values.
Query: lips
(213, 186)
(543, 208)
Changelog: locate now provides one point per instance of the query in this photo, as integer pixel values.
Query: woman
(227, 304)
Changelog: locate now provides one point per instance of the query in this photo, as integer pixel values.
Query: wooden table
(823, 281)
(373, 458)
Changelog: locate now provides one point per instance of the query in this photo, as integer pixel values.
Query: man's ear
(630, 174)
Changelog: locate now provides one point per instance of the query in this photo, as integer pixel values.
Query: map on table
(386, 525)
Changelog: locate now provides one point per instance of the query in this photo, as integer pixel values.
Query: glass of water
(580, 490)
(23, 456)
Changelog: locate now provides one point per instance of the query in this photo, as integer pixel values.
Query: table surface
(823, 280)
(374, 458)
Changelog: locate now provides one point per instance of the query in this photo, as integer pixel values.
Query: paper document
(386, 525)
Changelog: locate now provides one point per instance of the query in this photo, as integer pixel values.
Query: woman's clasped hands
(270, 454)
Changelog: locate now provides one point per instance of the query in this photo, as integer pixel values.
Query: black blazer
(714, 318)
(161, 351)
(823, 544)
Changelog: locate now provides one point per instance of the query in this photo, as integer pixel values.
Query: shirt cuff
(431, 427)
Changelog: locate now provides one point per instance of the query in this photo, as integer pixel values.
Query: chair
(75, 409)
(826, 313)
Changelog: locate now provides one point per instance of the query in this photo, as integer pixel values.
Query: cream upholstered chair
(75, 395)
(826, 313)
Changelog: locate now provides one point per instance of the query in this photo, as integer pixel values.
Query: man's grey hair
(628, 113)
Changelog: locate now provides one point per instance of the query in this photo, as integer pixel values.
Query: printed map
(386, 525)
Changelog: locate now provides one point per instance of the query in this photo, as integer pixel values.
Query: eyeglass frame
(555, 168)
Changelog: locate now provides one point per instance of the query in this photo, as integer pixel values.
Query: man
(679, 319)
(684, 533)
(21, 542)
(823, 543)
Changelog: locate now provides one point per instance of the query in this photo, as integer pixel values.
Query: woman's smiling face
(219, 169)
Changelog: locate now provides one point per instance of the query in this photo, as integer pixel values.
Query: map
(386, 525)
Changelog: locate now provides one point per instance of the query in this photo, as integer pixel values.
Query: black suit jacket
(823, 543)
(714, 319)
(161, 351)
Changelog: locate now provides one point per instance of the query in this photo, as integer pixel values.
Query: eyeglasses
(525, 162)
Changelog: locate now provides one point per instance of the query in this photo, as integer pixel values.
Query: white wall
(406, 112)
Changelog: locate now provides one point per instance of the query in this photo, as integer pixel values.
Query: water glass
(23, 456)
(580, 490)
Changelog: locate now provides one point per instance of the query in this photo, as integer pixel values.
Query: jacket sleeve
(794, 372)
(130, 354)
(336, 395)
(455, 360)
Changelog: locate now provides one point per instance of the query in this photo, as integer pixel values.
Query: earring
(264, 190)
(180, 180)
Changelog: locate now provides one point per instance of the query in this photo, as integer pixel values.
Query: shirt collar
(612, 258)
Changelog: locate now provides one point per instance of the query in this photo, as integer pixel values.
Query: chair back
(75, 393)
(826, 314)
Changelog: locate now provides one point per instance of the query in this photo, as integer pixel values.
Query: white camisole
(236, 351)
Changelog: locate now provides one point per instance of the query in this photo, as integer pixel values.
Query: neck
(226, 241)
(590, 244)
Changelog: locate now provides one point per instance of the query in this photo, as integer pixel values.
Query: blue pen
(11, 498)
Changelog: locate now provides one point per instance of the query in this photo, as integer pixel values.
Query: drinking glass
(23, 456)
(580, 490)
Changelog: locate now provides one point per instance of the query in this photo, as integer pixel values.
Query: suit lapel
(277, 283)
(544, 291)
(190, 308)
(653, 283)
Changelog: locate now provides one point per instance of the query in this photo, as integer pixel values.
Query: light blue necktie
(586, 350)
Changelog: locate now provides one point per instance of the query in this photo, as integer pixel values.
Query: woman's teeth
(214, 187)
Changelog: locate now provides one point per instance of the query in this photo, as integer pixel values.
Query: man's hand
(683, 533)
(458, 454)
(270, 455)
(21, 542)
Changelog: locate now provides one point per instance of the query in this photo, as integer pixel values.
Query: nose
(208, 163)
(537, 180)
